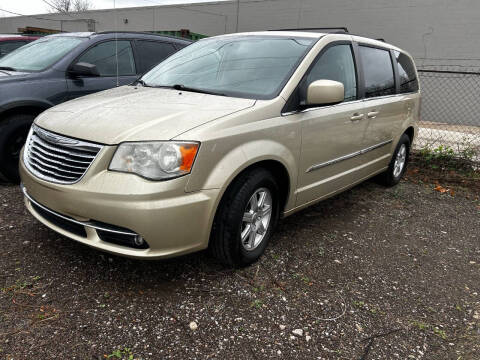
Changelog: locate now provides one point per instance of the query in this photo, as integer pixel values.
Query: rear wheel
(246, 218)
(398, 164)
(13, 133)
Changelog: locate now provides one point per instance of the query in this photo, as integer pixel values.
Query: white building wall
(440, 34)
(434, 31)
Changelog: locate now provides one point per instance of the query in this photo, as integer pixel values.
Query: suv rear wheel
(13, 133)
(246, 217)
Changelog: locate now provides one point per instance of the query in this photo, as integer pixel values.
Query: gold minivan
(212, 146)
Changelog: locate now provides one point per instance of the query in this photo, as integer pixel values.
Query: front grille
(57, 158)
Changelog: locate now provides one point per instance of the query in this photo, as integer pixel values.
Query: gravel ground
(373, 273)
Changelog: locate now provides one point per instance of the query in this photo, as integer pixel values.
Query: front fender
(230, 164)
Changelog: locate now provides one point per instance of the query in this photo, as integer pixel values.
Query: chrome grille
(57, 158)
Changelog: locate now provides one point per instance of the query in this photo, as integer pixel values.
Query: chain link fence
(450, 121)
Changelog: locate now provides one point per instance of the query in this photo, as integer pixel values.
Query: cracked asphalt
(373, 273)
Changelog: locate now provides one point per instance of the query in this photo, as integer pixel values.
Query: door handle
(357, 117)
(373, 114)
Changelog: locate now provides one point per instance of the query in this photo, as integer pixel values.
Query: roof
(8, 37)
(131, 34)
(314, 34)
(72, 34)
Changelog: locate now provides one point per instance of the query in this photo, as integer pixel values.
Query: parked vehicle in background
(8, 43)
(61, 67)
(217, 142)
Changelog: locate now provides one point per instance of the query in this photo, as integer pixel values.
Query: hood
(131, 113)
(7, 74)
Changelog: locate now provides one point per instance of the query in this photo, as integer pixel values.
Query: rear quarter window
(152, 53)
(407, 73)
(378, 71)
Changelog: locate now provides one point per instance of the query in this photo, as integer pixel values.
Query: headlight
(157, 160)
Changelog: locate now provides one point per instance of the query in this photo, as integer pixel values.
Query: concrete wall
(440, 34)
(434, 31)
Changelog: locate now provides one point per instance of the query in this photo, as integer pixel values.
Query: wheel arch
(24, 107)
(410, 131)
(279, 172)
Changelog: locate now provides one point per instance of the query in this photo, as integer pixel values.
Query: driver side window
(337, 64)
(104, 58)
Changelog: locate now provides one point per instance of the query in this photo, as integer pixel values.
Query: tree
(68, 6)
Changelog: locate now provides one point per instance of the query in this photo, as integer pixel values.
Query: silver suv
(215, 144)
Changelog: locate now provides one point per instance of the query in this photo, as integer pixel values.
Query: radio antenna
(116, 41)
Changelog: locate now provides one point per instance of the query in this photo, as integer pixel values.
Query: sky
(29, 7)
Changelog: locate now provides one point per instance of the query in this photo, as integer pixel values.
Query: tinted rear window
(378, 70)
(152, 53)
(407, 73)
(8, 46)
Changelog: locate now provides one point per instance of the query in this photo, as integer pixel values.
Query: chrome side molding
(349, 156)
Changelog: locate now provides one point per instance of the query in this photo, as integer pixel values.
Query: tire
(398, 164)
(13, 133)
(236, 217)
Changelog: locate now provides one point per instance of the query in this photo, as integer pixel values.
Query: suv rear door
(151, 52)
(104, 55)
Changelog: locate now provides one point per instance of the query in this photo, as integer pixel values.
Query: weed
(306, 280)
(257, 303)
(420, 325)
(125, 353)
(259, 289)
(276, 257)
(321, 251)
(440, 333)
(444, 156)
(423, 327)
(360, 304)
(20, 285)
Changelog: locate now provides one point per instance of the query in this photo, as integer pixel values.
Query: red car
(9, 43)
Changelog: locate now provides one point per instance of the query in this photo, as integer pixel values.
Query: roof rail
(332, 30)
(143, 33)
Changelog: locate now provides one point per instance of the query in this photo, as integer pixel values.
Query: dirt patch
(448, 172)
(373, 273)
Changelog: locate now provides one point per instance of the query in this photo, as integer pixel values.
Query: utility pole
(238, 13)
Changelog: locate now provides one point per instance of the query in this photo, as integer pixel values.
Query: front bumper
(171, 221)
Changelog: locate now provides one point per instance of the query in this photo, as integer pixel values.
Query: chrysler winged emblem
(55, 139)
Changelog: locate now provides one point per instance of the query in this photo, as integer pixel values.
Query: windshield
(251, 66)
(40, 54)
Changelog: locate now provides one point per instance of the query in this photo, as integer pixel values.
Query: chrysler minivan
(215, 144)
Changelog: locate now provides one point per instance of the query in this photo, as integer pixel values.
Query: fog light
(138, 240)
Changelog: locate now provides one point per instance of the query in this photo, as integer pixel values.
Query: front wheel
(245, 219)
(13, 133)
(398, 164)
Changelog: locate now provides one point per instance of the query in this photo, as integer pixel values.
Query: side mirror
(83, 69)
(325, 92)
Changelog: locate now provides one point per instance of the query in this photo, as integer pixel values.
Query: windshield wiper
(8, 68)
(201, 91)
